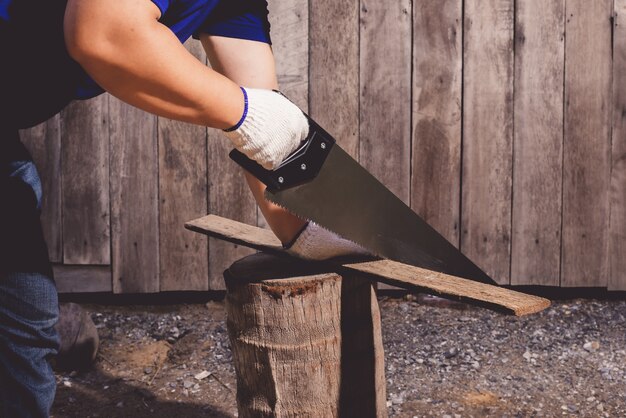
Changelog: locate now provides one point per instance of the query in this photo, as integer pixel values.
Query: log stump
(306, 342)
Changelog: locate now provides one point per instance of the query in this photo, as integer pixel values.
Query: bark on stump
(306, 342)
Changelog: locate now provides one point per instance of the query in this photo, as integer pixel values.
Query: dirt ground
(442, 360)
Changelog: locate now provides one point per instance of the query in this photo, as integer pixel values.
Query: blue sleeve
(246, 19)
(162, 5)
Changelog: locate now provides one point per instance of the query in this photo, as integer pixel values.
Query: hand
(270, 129)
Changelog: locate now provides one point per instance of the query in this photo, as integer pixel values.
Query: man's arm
(129, 53)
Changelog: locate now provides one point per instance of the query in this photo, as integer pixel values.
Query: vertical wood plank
(586, 148)
(617, 249)
(385, 89)
(290, 44)
(538, 142)
(85, 182)
(488, 135)
(229, 196)
(289, 20)
(44, 143)
(182, 196)
(437, 79)
(134, 199)
(334, 69)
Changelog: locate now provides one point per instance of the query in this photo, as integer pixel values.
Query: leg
(251, 64)
(28, 298)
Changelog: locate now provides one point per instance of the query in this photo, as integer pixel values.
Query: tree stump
(306, 342)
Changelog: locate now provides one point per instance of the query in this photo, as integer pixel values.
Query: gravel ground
(442, 359)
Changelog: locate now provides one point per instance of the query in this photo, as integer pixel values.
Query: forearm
(134, 57)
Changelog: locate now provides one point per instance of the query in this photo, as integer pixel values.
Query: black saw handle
(301, 166)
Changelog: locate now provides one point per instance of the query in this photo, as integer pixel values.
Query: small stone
(120, 404)
(397, 399)
(591, 399)
(202, 375)
(453, 352)
(187, 384)
(572, 408)
(67, 384)
(172, 384)
(527, 355)
(591, 345)
(147, 370)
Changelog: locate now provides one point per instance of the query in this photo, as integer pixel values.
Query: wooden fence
(502, 122)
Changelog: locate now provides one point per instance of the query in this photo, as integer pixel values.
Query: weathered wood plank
(586, 148)
(385, 143)
(385, 88)
(334, 69)
(538, 142)
(182, 195)
(134, 199)
(85, 182)
(82, 279)
(229, 195)
(437, 79)
(44, 143)
(289, 20)
(386, 271)
(617, 249)
(488, 136)
(290, 44)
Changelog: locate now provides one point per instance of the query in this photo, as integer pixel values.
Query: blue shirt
(37, 76)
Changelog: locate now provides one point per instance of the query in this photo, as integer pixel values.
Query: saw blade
(346, 199)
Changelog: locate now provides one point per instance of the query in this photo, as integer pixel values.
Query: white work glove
(270, 129)
(317, 243)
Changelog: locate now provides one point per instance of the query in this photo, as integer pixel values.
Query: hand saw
(322, 183)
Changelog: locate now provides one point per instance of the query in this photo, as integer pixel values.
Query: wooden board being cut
(386, 271)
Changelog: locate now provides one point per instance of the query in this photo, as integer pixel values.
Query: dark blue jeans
(28, 297)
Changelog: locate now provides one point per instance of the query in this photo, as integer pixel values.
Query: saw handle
(301, 166)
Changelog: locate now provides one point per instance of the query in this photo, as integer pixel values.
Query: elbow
(82, 49)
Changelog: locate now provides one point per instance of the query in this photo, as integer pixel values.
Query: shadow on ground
(114, 397)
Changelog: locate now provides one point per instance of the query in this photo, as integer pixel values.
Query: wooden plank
(586, 148)
(82, 279)
(387, 271)
(134, 199)
(229, 195)
(289, 20)
(44, 143)
(290, 44)
(334, 69)
(182, 196)
(439, 284)
(437, 79)
(488, 135)
(85, 182)
(385, 89)
(538, 143)
(617, 249)
(385, 143)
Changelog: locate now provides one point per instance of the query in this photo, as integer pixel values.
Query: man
(55, 51)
